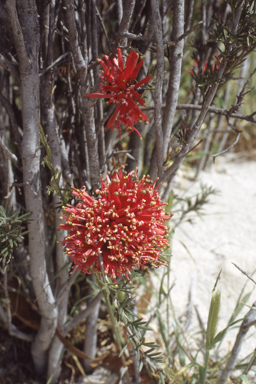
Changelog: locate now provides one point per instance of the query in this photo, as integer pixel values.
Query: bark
(87, 106)
(24, 25)
(90, 341)
(173, 87)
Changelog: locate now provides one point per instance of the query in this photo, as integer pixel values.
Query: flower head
(125, 225)
(118, 85)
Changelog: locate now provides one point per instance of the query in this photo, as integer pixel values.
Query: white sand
(225, 234)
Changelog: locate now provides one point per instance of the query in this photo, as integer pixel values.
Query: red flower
(125, 224)
(117, 84)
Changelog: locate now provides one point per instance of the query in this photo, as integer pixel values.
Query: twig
(82, 315)
(217, 111)
(103, 26)
(9, 66)
(246, 274)
(14, 125)
(66, 287)
(227, 149)
(54, 63)
(9, 154)
(14, 330)
(172, 43)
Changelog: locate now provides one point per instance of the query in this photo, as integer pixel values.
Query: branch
(17, 32)
(159, 86)
(9, 66)
(246, 274)
(52, 65)
(13, 121)
(172, 43)
(9, 154)
(195, 129)
(14, 331)
(82, 315)
(65, 289)
(103, 26)
(248, 321)
(126, 19)
(4, 15)
(87, 107)
(227, 149)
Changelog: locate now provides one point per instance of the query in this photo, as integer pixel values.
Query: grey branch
(126, 19)
(172, 43)
(14, 330)
(17, 32)
(227, 149)
(159, 86)
(217, 111)
(9, 154)
(248, 321)
(9, 66)
(82, 315)
(57, 61)
(246, 274)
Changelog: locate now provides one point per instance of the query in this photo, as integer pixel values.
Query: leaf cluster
(195, 203)
(11, 230)
(232, 43)
(136, 326)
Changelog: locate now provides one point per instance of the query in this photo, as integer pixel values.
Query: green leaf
(213, 317)
(120, 354)
(244, 379)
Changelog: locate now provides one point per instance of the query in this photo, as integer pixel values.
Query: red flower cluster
(117, 85)
(125, 224)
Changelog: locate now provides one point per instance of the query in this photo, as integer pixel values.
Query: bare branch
(82, 315)
(159, 85)
(13, 121)
(246, 274)
(87, 107)
(126, 19)
(248, 321)
(172, 43)
(9, 66)
(9, 154)
(14, 330)
(17, 32)
(103, 26)
(57, 61)
(227, 149)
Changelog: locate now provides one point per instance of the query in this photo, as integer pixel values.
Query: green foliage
(193, 203)
(11, 231)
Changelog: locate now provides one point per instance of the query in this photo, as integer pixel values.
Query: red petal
(99, 95)
(120, 59)
(130, 63)
(136, 70)
(143, 81)
(113, 118)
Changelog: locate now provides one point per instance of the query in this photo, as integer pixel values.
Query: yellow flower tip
(140, 138)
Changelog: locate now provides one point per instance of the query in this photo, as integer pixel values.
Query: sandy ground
(225, 234)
